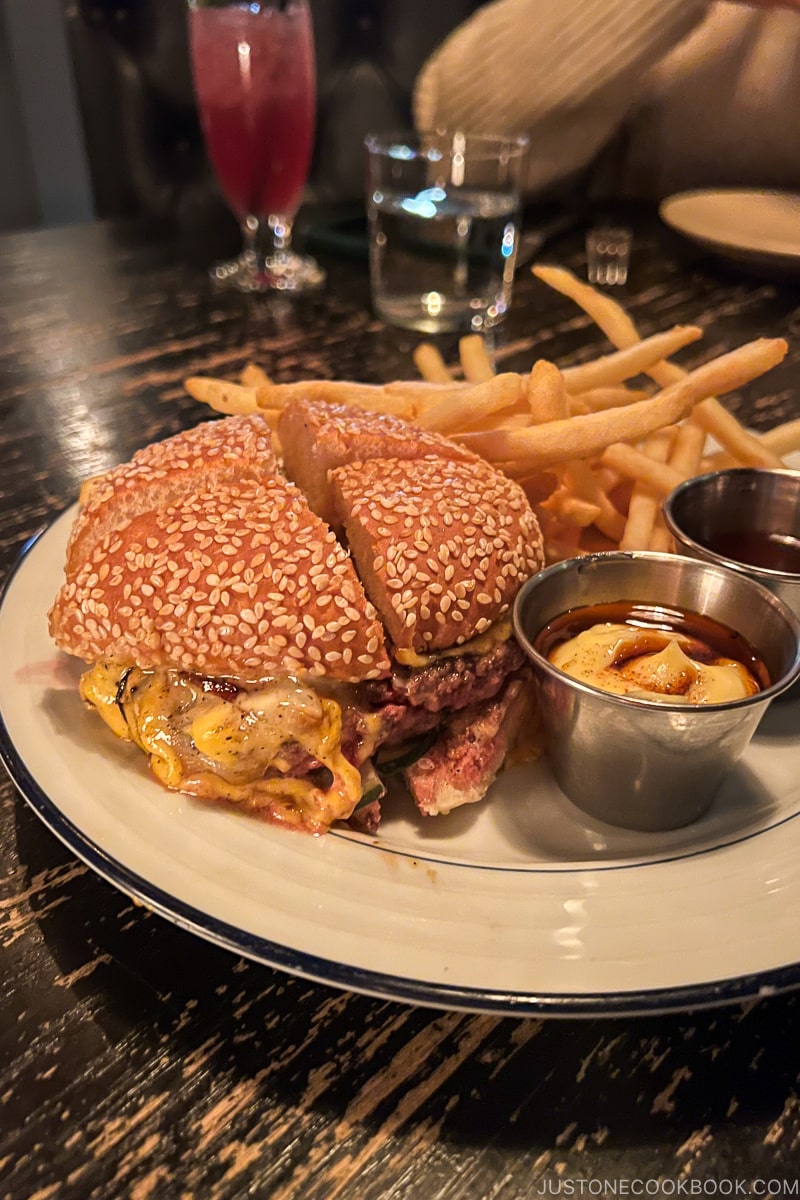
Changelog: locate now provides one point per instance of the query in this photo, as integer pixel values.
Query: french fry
(562, 539)
(633, 360)
(518, 469)
(577, 407)
(370, 396)
(581, 481)
(578, 511)
(687, 451)
(223, 396)
(635, 464)
(608, 315)
(456, 411)
(593, 452)
(578, 437)
(475, 362)
(685, 458)
(711, 416)
(563, 544)
(253, 376)
(661, 539)
(586, 436)
(87, 488)
(505, 419)
(783, 439)
(409, 398)
(430, 364)
(606, 478)
(271, 416)
(644, 506)
(598, 399)
(720, 460)
(621, 330)
(546, 393)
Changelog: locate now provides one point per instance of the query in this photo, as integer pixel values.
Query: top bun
(212, 453)
(441, 547)
(317, 437)
(180, 568)
(199, 555)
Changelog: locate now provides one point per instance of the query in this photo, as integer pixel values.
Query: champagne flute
(255, 83)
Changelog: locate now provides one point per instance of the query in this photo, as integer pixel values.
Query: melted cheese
(481, 644)
(222, 747)
(98, 687)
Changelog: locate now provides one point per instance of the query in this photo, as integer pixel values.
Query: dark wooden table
(139, 1061)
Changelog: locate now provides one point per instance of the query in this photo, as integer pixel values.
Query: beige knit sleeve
(565, 72)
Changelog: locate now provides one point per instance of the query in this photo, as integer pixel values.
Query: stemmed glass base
(274, 273)
(279, 270)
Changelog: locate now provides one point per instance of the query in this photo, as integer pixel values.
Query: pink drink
(254, 76)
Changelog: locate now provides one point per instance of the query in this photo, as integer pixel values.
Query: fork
(608, 253)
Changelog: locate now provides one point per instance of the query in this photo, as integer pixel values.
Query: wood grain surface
(138, 1061)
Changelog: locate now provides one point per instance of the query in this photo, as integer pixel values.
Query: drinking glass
(255, 83)
(444, 214)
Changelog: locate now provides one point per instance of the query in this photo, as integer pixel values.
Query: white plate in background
(748, 225)
(518, 905)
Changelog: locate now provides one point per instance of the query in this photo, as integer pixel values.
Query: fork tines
(608, 252)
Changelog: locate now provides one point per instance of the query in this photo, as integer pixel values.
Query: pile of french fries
(595, 454)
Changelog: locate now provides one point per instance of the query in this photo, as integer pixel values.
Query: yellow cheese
(481, 644)
(99, 687)
(181, 727)
(217, 733)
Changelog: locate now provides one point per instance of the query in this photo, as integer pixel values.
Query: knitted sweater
(707, 94)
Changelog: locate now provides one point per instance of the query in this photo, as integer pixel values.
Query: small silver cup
(639, 763)
(740, 500)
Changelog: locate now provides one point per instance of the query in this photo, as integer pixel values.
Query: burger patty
(449, 683)
(416, 699)
(465, 760)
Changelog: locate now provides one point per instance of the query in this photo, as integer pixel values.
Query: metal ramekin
(639, 763)
(740, 499)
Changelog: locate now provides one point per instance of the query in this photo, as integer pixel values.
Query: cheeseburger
(289, 636)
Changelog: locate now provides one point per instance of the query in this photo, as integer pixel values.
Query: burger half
(290, 661)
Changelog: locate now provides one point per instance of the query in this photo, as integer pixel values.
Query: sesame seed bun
(242, 581)
(317, 437)
(221, 451)
(442, 548)
(200, 556)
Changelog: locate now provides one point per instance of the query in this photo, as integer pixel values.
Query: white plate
(518, 905)
(756, 227)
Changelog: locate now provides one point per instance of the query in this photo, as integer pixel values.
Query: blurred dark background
(97, 115)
